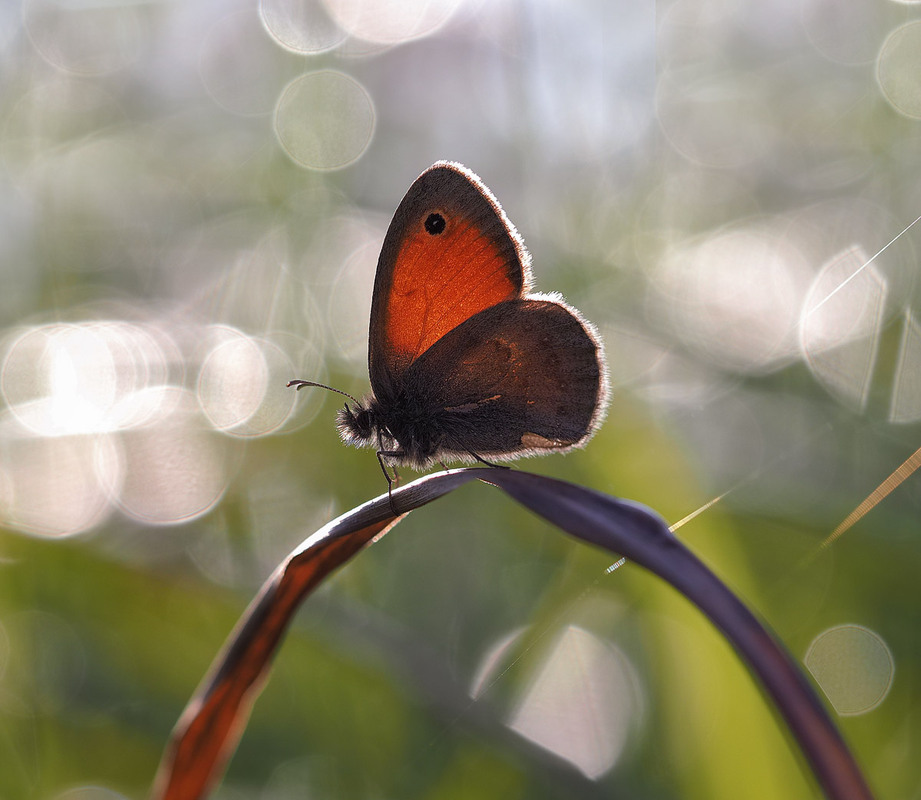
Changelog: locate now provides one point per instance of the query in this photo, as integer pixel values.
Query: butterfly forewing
(449, 253)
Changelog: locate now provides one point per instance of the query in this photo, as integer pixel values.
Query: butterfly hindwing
(518, 378)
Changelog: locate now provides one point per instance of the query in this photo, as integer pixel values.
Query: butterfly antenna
(299, 384)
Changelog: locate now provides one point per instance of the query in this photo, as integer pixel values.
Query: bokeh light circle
(582, 703)
(324, 120)
(734, 295)
(232, 382)
(841, 324)
(57, 486)
(301, 26)
(898, 69)
(241, 386)
(175, 470)
(854, 667)
(84, 378)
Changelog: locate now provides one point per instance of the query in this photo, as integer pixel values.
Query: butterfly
(466, 363)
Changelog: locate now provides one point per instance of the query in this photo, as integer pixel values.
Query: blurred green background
(192, 199)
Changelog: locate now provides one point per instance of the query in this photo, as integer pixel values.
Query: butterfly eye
(435, 224)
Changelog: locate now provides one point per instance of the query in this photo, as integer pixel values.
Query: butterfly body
(516, 379)
(465, 363)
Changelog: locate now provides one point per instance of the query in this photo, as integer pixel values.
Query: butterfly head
(358, 424)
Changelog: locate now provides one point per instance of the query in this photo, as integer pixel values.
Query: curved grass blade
(209, 729)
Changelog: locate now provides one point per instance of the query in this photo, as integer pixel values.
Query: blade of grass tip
(214, 719)
(635, 532)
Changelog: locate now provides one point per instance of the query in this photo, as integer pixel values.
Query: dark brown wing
(520, 378)
(449, 253)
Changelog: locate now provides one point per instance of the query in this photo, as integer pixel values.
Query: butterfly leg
(488, 463)
(381, 454)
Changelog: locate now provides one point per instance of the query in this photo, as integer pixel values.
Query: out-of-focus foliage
(192, 198)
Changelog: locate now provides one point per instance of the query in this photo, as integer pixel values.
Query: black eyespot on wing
(435, 224)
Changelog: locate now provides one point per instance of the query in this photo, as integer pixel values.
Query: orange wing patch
(441, 281)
